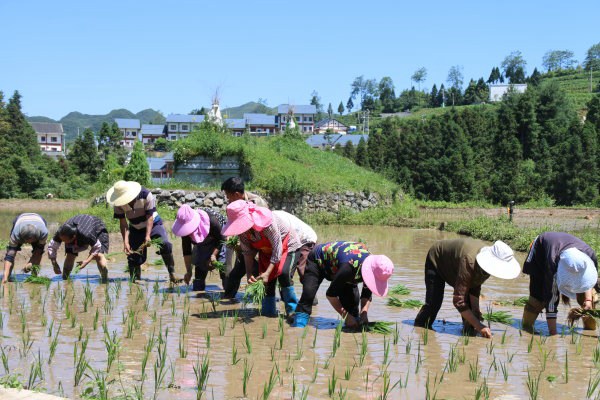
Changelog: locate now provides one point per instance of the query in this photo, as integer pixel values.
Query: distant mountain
(76, 120)
(250, 107)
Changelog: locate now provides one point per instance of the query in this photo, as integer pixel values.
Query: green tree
(330, 111)
(419, 76)
(387, 95)
(555, 60)
(349, 151)
(362, 156)
(494, 75)
(455, 79)
(513, 66)
(535, 77)
(592, 58)
(138, 169)
(349, 105)
(84, 155)
(433, 97)
(341, 108)
(593, 113)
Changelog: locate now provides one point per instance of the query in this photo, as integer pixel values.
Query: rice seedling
(53, 344)
(264, 330)
(504, 371)
(255, 293)
(337, 337)
(202, 372)
(304, 393)
(348, 372)
(4, 358)
(112, 344)
(363, 348)
(156, 286)
(160, 364)
(35, 372)
(314, 342)
(419, 358)
(596, 355)
(219, 266)
(399, 290)
(566, 367)
(396, 334)
(80, 332)
(38, 280)
(530, 344)
(147, 350)
(222, 324)
(248, 342)
(326, 363)
(520, 301)
(386, 388)
(429, 394)
(207, 339)
(315, 373)
(174, 308)
(289, 366)
(1, 320)
(73, 320)
(452, 362)
(332, 384)
(232, 242)
(592, 385)
(544, 357)
(270, 384)
(410, 303)
(234, 354)
(26, 342)
(81, 363)
(88, 296)
(234, 317)
(95, 320)
(132, 324)
(386, 350)
(185, 319)
(483, 391)
(474, 370)
(157, 242)
(503, 337)
(533, 384)
(425, 336)
(281, 337)
(246, 375)
(408, 346)
(299, 351)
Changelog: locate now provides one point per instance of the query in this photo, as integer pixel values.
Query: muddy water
(214, 333)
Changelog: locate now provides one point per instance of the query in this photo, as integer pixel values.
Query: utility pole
(591, 71)
(367, 129)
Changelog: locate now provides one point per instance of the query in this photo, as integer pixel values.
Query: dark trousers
(285, 279)
(136, 239)
(200, 259)
(434, 295)
(313, 276)
(234, 279)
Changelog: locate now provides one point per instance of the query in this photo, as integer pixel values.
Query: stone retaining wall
(305, 204)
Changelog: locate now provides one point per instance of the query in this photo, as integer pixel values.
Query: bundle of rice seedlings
(410, 303)
(381, 327)
(399, 290)
(521, 301)
(232, 242)
(38, 280)
(502, 317)
(577, 313)
(219, 266)
(153, 242)
(255, 292)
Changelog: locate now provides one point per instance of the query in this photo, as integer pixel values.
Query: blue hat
(576, 273)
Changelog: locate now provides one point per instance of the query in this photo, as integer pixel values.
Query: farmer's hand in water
(364, 319)
(486, 332)
(187, 277)
(351, 322)
(27, 268)
(56, 267)
(126, 248)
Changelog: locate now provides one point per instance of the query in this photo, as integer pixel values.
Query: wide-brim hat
(187, 220)
(243, 215)
(376, 271)
(123, 192)
(499, 260)
(576, 273)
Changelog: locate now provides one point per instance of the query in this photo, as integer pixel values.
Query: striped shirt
(275, 233)
(305, 233)
(89, 229)
(16, 241)
(144, 205)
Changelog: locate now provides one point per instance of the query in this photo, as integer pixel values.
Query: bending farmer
(464, 264)
(559, 263)
(136, 204)
(79, 233)
(345, 264)
(27, 228)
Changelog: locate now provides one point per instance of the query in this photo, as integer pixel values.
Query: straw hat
(499, 260)
(576, 273)
(243, 215)
(122, 193)
(376, 271)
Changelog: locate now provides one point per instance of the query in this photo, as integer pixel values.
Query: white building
(498, 91)
(179, 126)
(149, 133)
(130, 128)
(50, 137)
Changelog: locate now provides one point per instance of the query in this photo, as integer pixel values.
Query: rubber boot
(300, 320)
(289, 299)
(532, 309)
(199, 283)
(269, 307)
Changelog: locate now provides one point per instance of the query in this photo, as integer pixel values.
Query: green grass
(283, 166)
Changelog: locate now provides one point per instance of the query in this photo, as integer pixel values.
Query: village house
(179, 126)
(498, 91)
(50, 137)
(149, 133)
(236, 125)
(331, 141)
(331, 126)
(260, 124)
(161, 168)
(304, 116)
(130, 128)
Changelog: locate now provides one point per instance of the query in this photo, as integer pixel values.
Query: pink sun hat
(376, 271)
(243, 215)
(191, 222)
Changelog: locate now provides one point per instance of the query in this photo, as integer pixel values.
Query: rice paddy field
(83, 339)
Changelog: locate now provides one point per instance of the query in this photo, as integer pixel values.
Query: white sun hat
(576, 273)
(499, 260)
(122, 193)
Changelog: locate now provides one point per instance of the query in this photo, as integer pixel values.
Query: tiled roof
(157, 163)
(259, 119)
(325, 122)
(47, 127)
(127, 123)
(185, 118)
(334, 140)
(150, 129)
(298, 109)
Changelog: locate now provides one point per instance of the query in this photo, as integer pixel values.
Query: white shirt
(306, 234)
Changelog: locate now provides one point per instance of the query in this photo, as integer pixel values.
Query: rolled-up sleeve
(461, 286)
(272, 233)
(96, 248)
(53, 249)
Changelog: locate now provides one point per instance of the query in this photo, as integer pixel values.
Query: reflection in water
(148, 310)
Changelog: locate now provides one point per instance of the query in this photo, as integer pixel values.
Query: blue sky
(96, 56)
